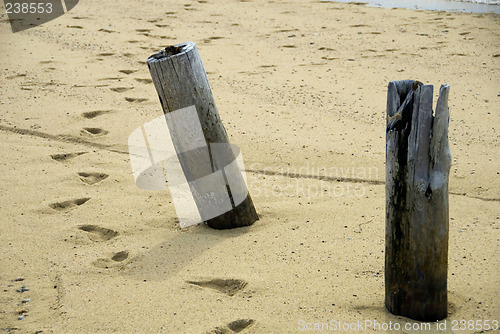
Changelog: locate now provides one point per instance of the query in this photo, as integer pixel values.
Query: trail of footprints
(99, 234)
(228, 287)
(95, 233)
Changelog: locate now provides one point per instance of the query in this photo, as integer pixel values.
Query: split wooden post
(181, 81)
(418, 161)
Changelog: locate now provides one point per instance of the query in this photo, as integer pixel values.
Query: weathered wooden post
(181, 82)
(418, 160)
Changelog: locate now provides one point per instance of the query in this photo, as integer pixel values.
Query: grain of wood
(418, 161)
(181, 81)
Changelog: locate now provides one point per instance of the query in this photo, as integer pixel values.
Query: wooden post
(181, 81)
(418, 161)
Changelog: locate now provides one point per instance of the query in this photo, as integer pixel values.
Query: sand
(301, 88)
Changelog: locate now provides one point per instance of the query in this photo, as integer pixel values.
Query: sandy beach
(301, 87)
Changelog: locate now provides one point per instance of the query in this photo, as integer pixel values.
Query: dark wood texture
(181, 81)
(417, 169)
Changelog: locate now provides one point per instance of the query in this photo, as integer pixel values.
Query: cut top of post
(172, 51)
(181, 81)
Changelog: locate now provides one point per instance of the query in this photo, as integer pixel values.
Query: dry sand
(300, 87)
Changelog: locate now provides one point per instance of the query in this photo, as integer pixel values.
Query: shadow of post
(170, 257)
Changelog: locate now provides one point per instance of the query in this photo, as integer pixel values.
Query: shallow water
(468, 6)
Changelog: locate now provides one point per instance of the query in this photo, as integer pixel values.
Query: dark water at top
(470, 6)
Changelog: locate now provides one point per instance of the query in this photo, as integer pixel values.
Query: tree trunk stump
(181, 83)
(418, 161)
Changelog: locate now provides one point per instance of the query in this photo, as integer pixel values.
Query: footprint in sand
(18, 75)
(144, 32)
(236, 326)
(120, 256)
(110, 79)
(106, 30)
(208, 40)
(92, 178)
(93, 132)
(121, 89)
(116, 260)
(228, 286)
(144, 81)
(98, 234)
(66, 156)
(95, 113)
(68, 205)
(134, 99)
(128, 71)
